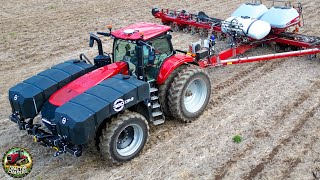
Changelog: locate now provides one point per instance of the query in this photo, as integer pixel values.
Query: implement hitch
(46, 139)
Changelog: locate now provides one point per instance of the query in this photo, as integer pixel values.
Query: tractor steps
(157, 114)
(154, 106)
(158, 122)
(153, 90)
(153, 98)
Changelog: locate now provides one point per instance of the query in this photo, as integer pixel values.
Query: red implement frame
(277, 36)
(182, 19)
(222, 58)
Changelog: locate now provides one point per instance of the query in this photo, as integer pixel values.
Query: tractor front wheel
(124, 137)
(189, 94)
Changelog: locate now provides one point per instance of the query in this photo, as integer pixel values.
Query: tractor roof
(142, 30)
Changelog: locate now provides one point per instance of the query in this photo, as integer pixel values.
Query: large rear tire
(124, 137)
(164, 91)
(189, 94)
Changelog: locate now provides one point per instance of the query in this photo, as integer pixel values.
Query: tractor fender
(170, 64)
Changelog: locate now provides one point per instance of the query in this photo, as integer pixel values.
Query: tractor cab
(143, 46)
(144, 58)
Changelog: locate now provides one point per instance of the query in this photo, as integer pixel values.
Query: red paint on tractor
(87, 81)
(171, 64)
(142, 31)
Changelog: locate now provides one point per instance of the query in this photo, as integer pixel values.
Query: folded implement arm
(291, 43)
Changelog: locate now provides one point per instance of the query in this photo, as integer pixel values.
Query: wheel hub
(195, 95)
(125, 138)
(129, 140)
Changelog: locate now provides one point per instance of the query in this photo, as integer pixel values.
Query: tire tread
(176, 89)
(110, 129)
(164, 88)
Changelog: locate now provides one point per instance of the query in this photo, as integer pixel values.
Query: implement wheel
(124, 138)
(189, 94)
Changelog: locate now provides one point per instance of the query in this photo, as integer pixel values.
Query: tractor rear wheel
(124, 137)
(164, 91)
(189, 94)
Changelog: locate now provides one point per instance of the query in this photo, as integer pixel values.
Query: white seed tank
(281, 17)
(250, 27)
(253, 10)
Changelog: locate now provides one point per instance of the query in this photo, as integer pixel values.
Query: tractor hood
(87, 81)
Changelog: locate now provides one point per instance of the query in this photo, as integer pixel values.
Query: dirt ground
(274, 106)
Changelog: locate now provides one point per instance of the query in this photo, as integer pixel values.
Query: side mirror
(92, 39)
(152, 56)
(96, 38)
(91, 42)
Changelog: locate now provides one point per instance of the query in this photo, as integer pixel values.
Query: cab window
(123, 49)
(126, 51)
(163, 49)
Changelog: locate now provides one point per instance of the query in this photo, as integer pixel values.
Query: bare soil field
(274, 106)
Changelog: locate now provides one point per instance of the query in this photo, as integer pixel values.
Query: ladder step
(155, 114)
(154, 98)
(157, 122)
(153, 90)
(154, 106)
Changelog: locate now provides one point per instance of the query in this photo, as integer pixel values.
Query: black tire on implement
(189, 94)
(164, 91)
(124, 137)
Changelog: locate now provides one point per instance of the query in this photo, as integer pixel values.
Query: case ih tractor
(113, 100)
(144, 79)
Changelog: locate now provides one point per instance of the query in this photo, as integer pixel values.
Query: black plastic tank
(80, 118)
(28, 97)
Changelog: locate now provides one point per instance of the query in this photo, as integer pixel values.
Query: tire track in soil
(265, 160)
(240, 75)
(166, 129)
(220, 99)
(217, 100)
(291, 164)
(222, 171)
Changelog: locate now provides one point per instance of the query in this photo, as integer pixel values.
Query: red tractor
(17, 158)
(112, 101)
